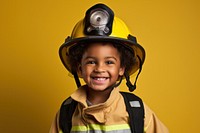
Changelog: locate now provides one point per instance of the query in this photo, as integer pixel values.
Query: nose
(99, 68)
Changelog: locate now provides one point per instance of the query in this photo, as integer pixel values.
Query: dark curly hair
(127, 55)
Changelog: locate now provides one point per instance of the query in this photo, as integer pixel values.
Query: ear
(79, 70)
(121, 71)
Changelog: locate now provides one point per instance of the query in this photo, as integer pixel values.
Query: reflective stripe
(135, 104)
(99, 131)
(122, 128)
(60, 131)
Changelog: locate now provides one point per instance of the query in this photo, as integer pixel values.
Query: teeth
(100, 79)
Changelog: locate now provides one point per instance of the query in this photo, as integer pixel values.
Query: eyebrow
(111, 57)
(88, 57)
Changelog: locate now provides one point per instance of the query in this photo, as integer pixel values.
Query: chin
(98, 88)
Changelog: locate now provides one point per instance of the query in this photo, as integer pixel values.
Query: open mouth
(100, 78)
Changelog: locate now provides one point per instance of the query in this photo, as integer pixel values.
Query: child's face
(100, 66)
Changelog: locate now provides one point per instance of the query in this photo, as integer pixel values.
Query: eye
(110, 62)
(90, 62)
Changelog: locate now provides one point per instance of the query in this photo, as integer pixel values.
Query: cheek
(114, 71)
(84, 71)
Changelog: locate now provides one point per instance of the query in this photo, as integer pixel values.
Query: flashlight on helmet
(98, 20)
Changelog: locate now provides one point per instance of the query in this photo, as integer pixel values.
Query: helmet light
(98, 20)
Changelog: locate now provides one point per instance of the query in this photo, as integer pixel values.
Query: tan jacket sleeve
(152, 123)
(54, 126)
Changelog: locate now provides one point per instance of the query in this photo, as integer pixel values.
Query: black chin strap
(128, 82)
(78, 83)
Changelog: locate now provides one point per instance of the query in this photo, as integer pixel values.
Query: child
(102, 51)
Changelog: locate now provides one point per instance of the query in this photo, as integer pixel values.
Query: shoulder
(55, 124)
(151, 123)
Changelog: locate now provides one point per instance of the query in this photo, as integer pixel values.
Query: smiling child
(102, 51)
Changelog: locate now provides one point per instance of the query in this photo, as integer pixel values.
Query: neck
(97, 97)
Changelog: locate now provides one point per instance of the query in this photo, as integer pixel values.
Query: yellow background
(33, 82)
